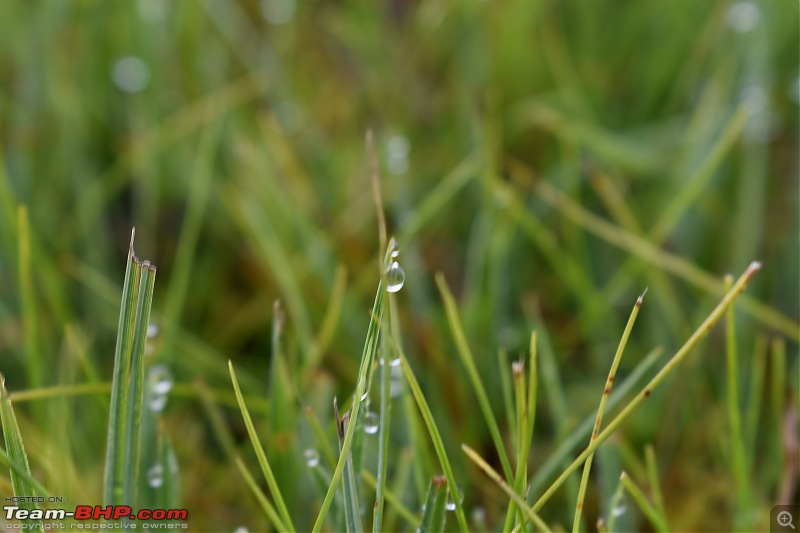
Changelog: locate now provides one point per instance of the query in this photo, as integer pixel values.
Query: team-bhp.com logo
(89, 517)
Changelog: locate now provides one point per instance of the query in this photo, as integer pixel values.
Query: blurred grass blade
(494, 476)
(436, 437)
(646, 507)
(679, 356)
(267, 507)
(352, 513)
(587, 467)
(392, 499)
(383, 430)
(22, 484)
(124, 425)
(579, 434)
(469, 362)
(433, 518)
(652, 475)
(262, 458)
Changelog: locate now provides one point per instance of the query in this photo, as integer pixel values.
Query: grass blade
(587, 467)
(122, 454)
(579, 434)
(267, 507)
(15, 449)
(647, 508)
(519, 500)
(262, 458)
(679, 356)
(352, 514)
(469, 362)
(436, 438)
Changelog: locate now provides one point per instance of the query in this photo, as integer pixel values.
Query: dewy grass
(587, 467)
(124, 425)
(681, 354)
(462, 347)
(21, 480)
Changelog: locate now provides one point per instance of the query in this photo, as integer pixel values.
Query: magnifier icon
(785, 519)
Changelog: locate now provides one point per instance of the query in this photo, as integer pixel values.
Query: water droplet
(395, 250)
(241, 529)
(160, 383)
(278, 12)
(395, 277)
(153, 11)
(394, 362)
(397, 149)
(152, 331)
(619, 510)
(130, 74)
(312, 458)
(370, 423)
(451, 505)
(155, 476)
(743, 17)
(364, 396)
(478, 516)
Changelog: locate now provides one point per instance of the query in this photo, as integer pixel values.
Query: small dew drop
(478, 516)
(241, 529)
(370, 423)
(278, 12)
(155, 476)
(395, 250)
(152, 331)
(619, 510)
(160, 383)
(450, 506)
(743, 17)
(311, 457)
(130, 74)
(364, 396)
(395, 277)
(398, 149)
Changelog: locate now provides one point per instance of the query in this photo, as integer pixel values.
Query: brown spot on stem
(647, 392)
(606, 390)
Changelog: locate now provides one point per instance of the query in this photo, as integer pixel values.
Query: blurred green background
(231, 134)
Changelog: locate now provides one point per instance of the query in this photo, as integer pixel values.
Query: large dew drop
(370, 423)
(395, 277)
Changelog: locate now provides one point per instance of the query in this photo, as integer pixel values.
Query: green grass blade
(436, 438)
(469, 362)
(135, 384)
(267, 507)
(494, 476)
(14, 467)
(434, 488)
(580, 434)
(506, 390)
(34, 364)
(587, 467)
(367, 358)
(738, 461)
(383, 433)
(393, 501)
(679, 356)
(117, 423)
(652, 476)
(352, 514)
(15, 449)
(646, 507)
(262, 458)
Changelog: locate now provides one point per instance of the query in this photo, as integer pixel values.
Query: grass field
(539, 165)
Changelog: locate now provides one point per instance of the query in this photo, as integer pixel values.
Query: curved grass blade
(587, 467)
(647, 508)
(262, 458)
(469, 362)
(438, 445)
(269, 510)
